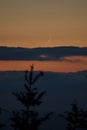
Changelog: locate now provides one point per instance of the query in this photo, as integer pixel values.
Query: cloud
(55, 53)
(74, 59)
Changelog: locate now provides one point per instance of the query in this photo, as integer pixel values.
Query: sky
(43, 23)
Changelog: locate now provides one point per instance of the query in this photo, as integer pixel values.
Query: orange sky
(44, 23)
(38, 23)
(77, 63)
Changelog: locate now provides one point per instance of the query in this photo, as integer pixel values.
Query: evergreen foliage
(1, 124)
(28, 118)
(76, 118)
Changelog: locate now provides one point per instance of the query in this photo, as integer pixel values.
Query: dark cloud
(56, 53)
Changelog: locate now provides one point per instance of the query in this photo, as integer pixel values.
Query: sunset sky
(50, 35)
(39, 23)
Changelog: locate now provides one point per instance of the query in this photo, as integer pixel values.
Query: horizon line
(24, 47)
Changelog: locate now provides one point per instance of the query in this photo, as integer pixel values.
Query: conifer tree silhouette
(28, 118)
(76, 118)
(1, 124)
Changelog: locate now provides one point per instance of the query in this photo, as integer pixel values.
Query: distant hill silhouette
(55, 53)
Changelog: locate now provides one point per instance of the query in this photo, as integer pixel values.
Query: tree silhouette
(28, 118)
(1, 124)
(76, 118)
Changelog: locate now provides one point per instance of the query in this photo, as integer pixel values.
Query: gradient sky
(33, 23)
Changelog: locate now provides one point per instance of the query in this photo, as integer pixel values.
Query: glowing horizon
(42, 46)
(43, 23)
(67, 64)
